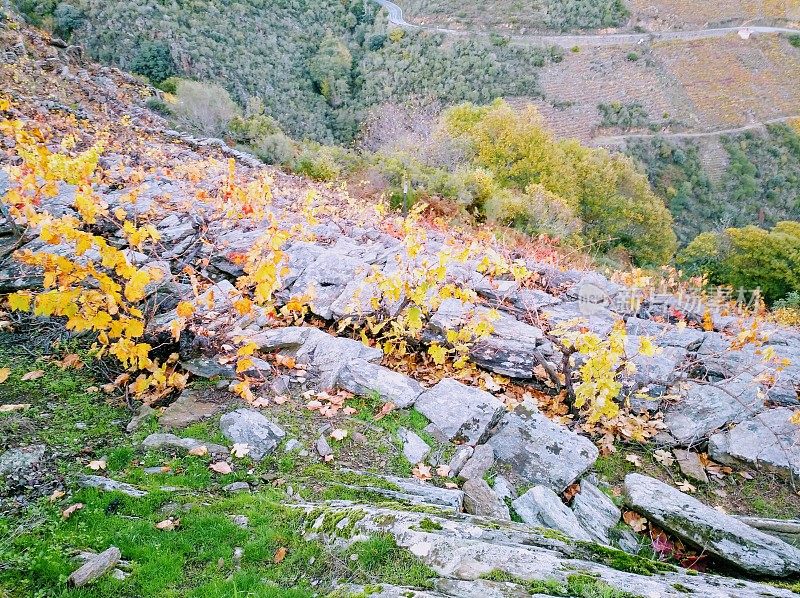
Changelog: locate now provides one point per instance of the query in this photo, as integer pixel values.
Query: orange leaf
(67, 513)
(280, 554)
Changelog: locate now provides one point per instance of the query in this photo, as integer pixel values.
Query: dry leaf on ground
(34, 375)
(220, 467)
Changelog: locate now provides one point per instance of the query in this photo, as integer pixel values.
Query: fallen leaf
(685, 486)
(280, 554)
(72, 360)
(97, 464)
(314, 405)
(14, 407)
(288, 362)
(571, 491)
(4, 374)
(339, 434)
(328, 458)
(198, 451)
(635, 521)
(384, 411)
(422, 472)
(663, 457)
(261, 402)
(443, 470)
(349, 410)
(240, 449)
(451, 485)
(635, 459)
(280, 399)
(56, 495)
(220, 467)
(34, 375)
(490, 383)
(168, 524)
(67, 513)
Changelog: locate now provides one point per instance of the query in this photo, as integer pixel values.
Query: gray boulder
(325, 279)
(191, 406)
(723, 536)
(459, 412)
(768, 439)
(704, 408)
(363, 378)
(538, 451)
(541, 506)
(480, 499)
(595, 511)
(479, 463)
(253, 429)
(415, 449)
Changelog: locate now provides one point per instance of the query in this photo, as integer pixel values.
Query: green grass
(579, 585)
(381, 559)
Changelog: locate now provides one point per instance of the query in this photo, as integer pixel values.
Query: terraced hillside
(669, 14)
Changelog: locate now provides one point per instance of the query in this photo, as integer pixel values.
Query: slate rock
(325, 279)
(767, 440)
(208, 367)
(480, 499)
(538, 451)
(690, 465)
(329, 355)
(460, 412)
(415, 449)
(323, 448)
(237, 487)
(461, 455)
(172, 442)
(363, 378)
(479, 463)
(540, 506)
(21, 460)
(109, 485)
(704, 408)
(191, 406)
(249, 427)
(721, 535)
(595, 317)
(595, 511)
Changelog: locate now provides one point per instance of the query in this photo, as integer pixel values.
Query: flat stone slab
(538, 451)
(722, 535)
(703, 408)
(19, 460)
(480, 499)
(109, 485)
(190, 407)
(768, 440)
(246, 426)
(364, 378)
(415, 449)
(460, 412)
(595, 511)
(541, 506)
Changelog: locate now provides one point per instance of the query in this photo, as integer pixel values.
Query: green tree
(154, 61)
(330, 68)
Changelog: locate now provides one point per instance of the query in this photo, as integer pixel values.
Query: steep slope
(272, 335)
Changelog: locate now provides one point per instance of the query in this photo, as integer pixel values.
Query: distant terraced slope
(670, 14)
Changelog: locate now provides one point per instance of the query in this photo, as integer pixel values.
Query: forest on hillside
(760, 185)
(317, 65)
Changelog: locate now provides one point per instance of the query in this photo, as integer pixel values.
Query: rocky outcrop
(768, 440)
(542, 507)
(459, 412)
(537, 451)
(462, 548)
(723, 536)
(247, 426)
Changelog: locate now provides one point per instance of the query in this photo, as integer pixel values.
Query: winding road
(589, 40)
(613, 140)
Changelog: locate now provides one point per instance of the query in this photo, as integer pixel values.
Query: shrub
(204, 108)
(794, 39)
(330, 70)
(318, 163)
(158, 105)
(154, 61)
(36, 11)
(632, 56)
(749, 258)
(169, 85)
(624, 116)
(275, 149)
